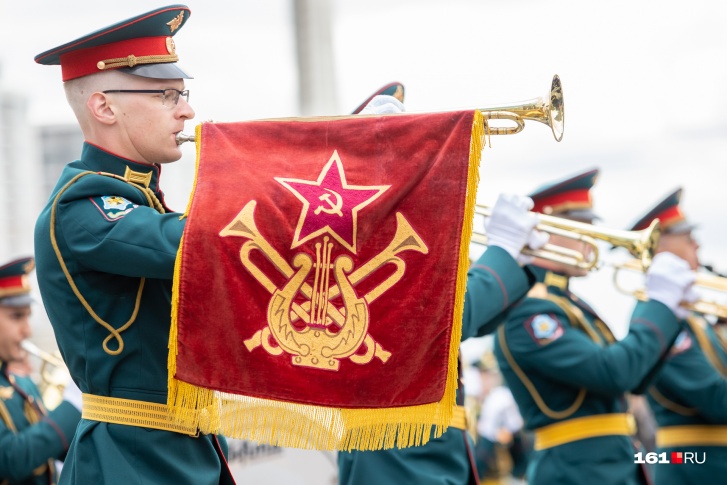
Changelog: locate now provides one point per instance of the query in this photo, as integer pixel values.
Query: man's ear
(100, 108)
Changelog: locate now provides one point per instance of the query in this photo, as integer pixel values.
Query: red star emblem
(330, 204)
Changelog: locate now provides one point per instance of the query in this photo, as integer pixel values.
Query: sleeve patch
(113, 207)
(682, 343)
(544, 329)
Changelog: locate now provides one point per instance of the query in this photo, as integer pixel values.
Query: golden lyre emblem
(317, 316)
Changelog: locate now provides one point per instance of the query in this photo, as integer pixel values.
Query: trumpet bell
(550, 112)
(556, 109)
(54, 375)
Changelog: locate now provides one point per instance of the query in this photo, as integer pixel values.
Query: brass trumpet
(705, 281)
(550, 112)
(52, 380)
(641, 244)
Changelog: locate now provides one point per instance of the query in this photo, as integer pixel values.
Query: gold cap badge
(176, 22)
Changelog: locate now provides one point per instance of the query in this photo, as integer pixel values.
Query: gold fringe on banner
(296, 425)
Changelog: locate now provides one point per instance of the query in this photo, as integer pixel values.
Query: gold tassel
(172, 347)
(172, 357)
(304, 426)
(198, 145)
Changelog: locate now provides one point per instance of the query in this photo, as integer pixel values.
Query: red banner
(320, 283)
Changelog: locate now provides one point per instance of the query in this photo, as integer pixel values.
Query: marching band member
(31, 437)
(689, 395)
(106, 245)
(565, 369)
(105, 249)
(495, 282)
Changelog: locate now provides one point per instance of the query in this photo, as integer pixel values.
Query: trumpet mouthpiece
(181, 138)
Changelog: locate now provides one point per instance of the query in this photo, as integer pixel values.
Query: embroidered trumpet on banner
(320, 283)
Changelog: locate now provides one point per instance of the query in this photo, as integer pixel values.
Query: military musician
(567, 372)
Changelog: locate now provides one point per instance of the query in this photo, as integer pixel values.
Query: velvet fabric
(324, 261)
(415, 166)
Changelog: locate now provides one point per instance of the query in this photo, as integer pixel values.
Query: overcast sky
(644, 86)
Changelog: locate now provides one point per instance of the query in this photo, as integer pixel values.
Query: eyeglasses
(170, 97)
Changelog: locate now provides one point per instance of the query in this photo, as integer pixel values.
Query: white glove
(512, 227)
(669, 280)
(383, 104)
(72, 394)
(536, 240)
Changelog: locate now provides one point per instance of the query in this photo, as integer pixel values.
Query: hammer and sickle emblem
(333, 208)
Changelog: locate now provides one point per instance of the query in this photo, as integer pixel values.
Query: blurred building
(314, 49)
(31, 159)
(19, 176)
(59, 145)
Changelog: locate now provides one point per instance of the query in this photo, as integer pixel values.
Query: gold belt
(459, 418)
(696, 435)
(132, 413)
(585, 427)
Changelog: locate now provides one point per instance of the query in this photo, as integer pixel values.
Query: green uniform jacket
(110, 239)
(565, 360)
(494, 283)
(30, 437)
(691, 389)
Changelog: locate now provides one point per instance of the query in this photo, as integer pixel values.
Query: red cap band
(668, 217)
(13, 285)
(83, 62)
(574, 199)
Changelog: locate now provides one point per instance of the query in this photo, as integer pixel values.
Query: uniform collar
(551, 279)
(99, 160)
